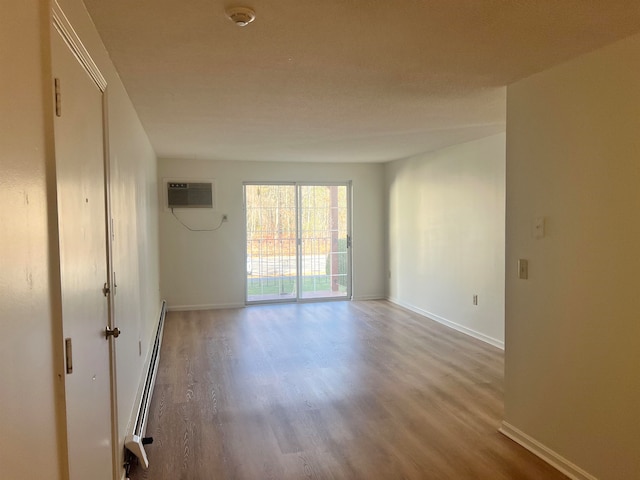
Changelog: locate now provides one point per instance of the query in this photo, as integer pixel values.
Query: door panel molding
(67, 32)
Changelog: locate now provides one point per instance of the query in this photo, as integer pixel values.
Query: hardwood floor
(334, 390)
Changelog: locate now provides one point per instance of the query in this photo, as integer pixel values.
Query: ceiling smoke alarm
(241, 16)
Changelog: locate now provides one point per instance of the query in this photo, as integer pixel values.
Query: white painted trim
(448, 323)
(219, 306)
(67, 32)
(361, 298)
(552, 458)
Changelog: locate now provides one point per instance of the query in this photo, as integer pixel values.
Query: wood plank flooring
(333, 390)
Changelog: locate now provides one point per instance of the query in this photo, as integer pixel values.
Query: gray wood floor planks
(332, 390)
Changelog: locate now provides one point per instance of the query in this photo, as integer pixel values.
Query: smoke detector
(241, 16)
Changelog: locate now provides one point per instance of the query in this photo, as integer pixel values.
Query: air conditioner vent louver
(189, 195)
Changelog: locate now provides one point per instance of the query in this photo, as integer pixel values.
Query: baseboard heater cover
(135, 441)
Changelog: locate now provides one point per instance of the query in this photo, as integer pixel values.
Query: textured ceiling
(338, 80)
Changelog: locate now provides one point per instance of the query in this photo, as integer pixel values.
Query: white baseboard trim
(360, 298)
(216, 306)
(460, 328)
(552, 458)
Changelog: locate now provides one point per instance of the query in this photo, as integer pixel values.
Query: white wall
(32, 440)
(446, 235)
(27, 397)
(573, 329)
(135, 249)
(208, 269)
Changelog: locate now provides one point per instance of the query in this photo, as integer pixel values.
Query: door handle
(112, 332)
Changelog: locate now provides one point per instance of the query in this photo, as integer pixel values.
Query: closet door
(81, 208)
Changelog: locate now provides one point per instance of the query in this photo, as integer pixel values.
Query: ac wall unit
(190, 194)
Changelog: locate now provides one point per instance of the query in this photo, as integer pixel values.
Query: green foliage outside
(287, 285)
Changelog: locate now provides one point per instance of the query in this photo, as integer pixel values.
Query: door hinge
(68, 355)
(348, 241)
(58, 97)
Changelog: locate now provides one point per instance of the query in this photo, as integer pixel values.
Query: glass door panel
(271, 242)
(298, 244)
(324, 257)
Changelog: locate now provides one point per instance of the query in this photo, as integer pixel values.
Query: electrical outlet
(475, 299)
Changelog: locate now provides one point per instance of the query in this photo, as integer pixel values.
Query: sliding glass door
(298, 242)
(271, 242)
(324, 260)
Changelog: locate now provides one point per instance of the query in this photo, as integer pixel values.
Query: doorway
(81, 175)
(298, 241)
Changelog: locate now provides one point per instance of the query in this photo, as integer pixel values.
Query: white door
(79, 152)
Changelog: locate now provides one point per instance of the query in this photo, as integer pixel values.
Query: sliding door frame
(348, 295)
(244, 207)
(297, 186)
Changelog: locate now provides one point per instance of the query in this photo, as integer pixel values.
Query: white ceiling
(338, 80)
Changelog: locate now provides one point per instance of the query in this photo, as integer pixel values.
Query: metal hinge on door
(68, 355)
(58, 97)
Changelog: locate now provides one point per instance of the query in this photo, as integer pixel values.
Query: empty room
(320, 240)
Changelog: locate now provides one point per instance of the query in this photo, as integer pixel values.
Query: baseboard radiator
(136, 441)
